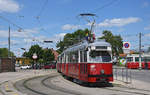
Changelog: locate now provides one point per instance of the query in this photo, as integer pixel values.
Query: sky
(41, 20)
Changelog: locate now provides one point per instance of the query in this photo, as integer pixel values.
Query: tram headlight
(109, 48)
(92, 67)
(102, 71)
(92, 47)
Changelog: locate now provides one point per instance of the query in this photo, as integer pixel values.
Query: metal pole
(116, 73)
(127, 75)
(130, 76)
(122, 73)
(140, 64)
(9, 42)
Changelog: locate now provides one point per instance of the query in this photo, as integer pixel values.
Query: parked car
(50, 66)
(26, 67)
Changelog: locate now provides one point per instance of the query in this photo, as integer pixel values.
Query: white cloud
(61, 35)
(40, 39)
(70, 27)
(147, 35)
(118, 22)
(147, 28)
(145, 4)
(3, 33)
(121, 30)
(13, 42)
(27, 33)
(9, 6)
(57, 37)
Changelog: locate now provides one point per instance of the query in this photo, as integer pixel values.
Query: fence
(122, 74)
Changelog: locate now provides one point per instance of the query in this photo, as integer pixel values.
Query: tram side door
(83, 65)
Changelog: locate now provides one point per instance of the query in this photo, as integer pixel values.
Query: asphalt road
(55, 84)
(42, 86)
(142, 75)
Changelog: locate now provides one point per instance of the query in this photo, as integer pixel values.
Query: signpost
(34, 58)
(126, 50)
(126, 47)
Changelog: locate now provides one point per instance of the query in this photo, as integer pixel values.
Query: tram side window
(59, 59)
(69, 57)
(75, 57)
(85, 56)
(81, 56)
(136, 59)
(146, 59)
(64, 58)
(130, 59)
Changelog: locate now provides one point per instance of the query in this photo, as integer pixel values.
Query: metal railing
(122, 74)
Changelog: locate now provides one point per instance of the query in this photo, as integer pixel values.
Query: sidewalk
(135, 83)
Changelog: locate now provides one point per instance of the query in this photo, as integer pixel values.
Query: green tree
(34, 49)
(48, 56)
(4, 52)
(43, 55)
(25, 54)
(115, 41)
(71, 39)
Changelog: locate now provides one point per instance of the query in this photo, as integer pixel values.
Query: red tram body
(87, 62)
(133, 61)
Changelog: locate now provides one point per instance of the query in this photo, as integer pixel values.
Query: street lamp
(23, 49)
(48, 41)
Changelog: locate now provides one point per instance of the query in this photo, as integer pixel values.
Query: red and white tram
(87, 62)
(133, 61)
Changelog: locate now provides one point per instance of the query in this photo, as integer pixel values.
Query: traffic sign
(122, 61)
(126, 45)
(34, 56)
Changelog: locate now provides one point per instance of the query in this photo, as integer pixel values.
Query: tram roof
(85, 44)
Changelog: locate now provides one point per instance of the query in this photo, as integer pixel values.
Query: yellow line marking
(7, 88)
(15, 94)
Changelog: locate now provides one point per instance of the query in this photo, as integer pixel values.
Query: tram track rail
(48, 85)
(54, 87)
(46, 81)
(128, 90)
